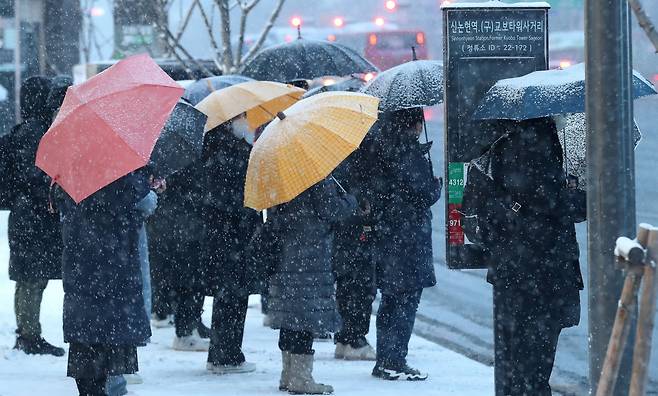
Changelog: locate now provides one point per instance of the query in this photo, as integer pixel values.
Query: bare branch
(225, 17)
(645, 22)
(266, 30)
(173, 45)
(250, 6)
(186, 21)
(209, 28)
(243, 28)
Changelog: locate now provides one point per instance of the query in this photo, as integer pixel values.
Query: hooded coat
(535, 255)
(302, 295)
(229, 226)
(35, 246)
(103, 301)
(402, 193)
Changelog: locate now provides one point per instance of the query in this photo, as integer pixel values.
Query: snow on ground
(167, 372)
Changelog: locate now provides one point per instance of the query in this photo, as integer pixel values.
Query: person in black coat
(229, 227)
(175, 241)
(403, 191)
(354, 266)
(302, 299)
(35, 247)
(104, 313)
(534, 266)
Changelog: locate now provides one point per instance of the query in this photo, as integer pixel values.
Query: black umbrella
(181, 140)
(352, 84)
(305, 59)
(198, 90)
(418, 83)
(544, 93)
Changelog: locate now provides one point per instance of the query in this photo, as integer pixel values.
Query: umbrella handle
(427, 140)
(338, 184)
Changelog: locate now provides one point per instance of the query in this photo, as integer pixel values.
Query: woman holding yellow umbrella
(233, 115)
(289, 171)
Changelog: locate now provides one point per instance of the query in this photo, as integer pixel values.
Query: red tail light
(372, 39)
(331, 37)
(420, 38)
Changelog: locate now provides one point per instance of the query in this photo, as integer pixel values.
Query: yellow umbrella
(304, 145)
(261, 100)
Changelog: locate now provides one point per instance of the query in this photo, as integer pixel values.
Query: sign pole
(611, 189)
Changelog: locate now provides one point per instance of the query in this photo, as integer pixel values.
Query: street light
(296, 21)
(379, 21)
(391, 5)
(339, 22)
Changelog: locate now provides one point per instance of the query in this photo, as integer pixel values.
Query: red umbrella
(108, 126)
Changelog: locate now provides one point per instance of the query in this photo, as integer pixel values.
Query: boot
(284, 382)
(37, 346)
(301, 377)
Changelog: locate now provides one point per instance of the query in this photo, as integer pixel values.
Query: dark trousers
(296, 342)
(27, 307)
(228, 317)
(188, 311)
(91, 386)
(395, 322)
(355, 293)
(525, 341)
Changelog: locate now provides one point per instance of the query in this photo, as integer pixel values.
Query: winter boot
(284, 382)
(403, 373)
(221, 369)
(301, 377)
(192, 343)
(361, 350)
(37, 346)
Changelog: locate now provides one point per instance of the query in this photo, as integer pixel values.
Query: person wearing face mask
(402, 190)
(229, 227)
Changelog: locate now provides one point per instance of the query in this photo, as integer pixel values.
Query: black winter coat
(103, 301)
(302, 295)
(176, 231)
(537, 256)
(35, 248)
(401, 200)
(229, 226)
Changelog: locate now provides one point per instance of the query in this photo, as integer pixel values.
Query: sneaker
(204, 331)
(405, 373)
(37, 346)
(363, 352)
(191, 343)
(162, 323)
(244, 367)
(133, 379)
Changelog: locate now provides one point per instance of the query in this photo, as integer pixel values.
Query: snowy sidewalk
(167, 372)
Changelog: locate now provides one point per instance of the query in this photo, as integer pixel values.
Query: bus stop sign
(482, 43)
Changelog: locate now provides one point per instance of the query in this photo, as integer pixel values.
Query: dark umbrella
(544, 93)
(181, 140)
(418, 83)
(305, 59)
(198, 90)
(352, 84)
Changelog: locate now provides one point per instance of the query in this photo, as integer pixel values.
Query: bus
(385, 48)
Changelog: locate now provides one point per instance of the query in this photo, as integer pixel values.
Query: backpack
(490, 214)
(6, 176)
